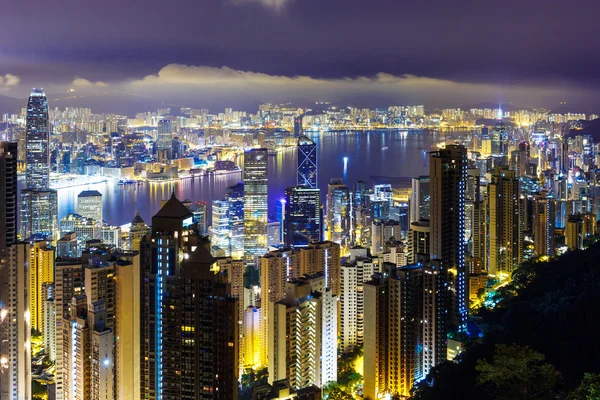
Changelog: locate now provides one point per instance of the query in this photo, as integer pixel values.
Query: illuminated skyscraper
(38, 214)
(89, 205)
(8, 194)
(307, 163)
(15, 327)
(405, 328)
(448, 176)
(303, 217)
(137, 231)
(164, 141)
(41, 271)
(420, 199)
(338, 212)
(255, 203)
(220, 233)
(544, 214)
(322, 257)
(506, 231)
(235, 197)
(38, 141)
(189, 321)
(303, 335)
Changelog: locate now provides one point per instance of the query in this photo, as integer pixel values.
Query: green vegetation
(545, 322)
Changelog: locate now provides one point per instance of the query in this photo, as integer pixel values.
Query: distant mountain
(11, 105)
(588, 128)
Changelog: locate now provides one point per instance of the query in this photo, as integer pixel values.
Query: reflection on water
(386, 153)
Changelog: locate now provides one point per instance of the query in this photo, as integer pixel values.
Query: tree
(517, 372)
(588, 389)
(338, 394)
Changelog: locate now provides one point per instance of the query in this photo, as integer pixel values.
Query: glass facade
(37, 141)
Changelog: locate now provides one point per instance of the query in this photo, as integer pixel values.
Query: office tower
(385, 235)
(137, 231)
(235, 197)
(338, 212)
(15, 327)
(303, 335)
(273, 234)
(307, 163)
(361, 214)
(111, 236)
(220, 231)
(322, 257)
(66, 247)
(420, 199)
(506, 232)
(49, 332)
(89, 205)
(544, 214)
(419, 240)
(164, 140)
(39, 214)
(127, 333)
(405, 327)
(298, 125)
(37, 171)
(189, 321)
(8, 195)
(255, 204)
(41, 271)
(68, 284)
(303, 217)
(199, 210)
(353, 277)
(448, 175)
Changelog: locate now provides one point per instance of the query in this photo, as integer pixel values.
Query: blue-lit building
(307, 163)
(235, 197)
(189, 321)
(303, 222)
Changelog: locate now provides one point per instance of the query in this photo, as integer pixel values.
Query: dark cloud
(533, 43)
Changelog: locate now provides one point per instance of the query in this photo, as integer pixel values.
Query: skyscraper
(89, 205)
(15, 327)
(506, 231)
(38, 204)
(303, 335)
(405, 327)
(220, 234)
(322, 257)
(8, 194)
(303, 217)
(38, 141)
(338, 212)
(235, 197)
(544, 213)
(164, 141)
(41, 271)
(307, 163)
(420, 199)
(448, 176)
(189, 321)
(255, 204)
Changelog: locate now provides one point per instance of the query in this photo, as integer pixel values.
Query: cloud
(82, 82)
(196, 81)
(275, 5)
(9, 80)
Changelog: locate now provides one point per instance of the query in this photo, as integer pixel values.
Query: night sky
(238, 52)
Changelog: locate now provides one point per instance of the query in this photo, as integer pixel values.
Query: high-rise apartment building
(8, 194)
(41, 272)
(307, 163)
(544, 214)
(189, 321)
(419, 240)
(89, 205)
(303, 335)
(302, 223)
(448, 176)
(322, 257)
(37, 171)
(505, 228)
(352, 317)
(137, 231)
(338, 213)
(255, 204)
(15, 327)
(405, 328)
